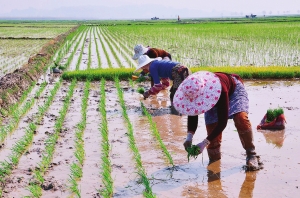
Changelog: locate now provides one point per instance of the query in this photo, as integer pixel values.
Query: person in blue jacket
(162, 71)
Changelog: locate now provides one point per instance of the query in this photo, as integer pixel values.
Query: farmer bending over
(220, 96)
(162, 71)
(152, 53)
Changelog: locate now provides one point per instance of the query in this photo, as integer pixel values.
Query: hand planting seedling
(141, 79)
(141, 90)
(193, 151)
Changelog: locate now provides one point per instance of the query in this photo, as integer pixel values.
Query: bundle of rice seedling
(141, 90)
(273, 113)
(193, 151)
(141, 79)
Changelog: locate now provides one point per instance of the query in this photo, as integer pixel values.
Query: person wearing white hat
(162, 71)
(140, 50)
(220, 96)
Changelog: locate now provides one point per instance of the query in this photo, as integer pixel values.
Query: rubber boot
(244, 129)
(214, 148)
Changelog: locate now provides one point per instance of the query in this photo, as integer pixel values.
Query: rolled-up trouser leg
(214, 148)
(244, 129)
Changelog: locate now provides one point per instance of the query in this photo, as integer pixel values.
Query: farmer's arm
(223, 108)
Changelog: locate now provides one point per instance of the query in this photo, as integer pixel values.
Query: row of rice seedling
(120, 38)
(140, 169)
(78, 40)
(90, 51)
(22, 145)
(157, 135)
(16, 105)
(35, 186)
(97, 50)
(106, 169)
(104, 50)
(79, 60)
(244, 71)
(64, 50)
(18, 113)
(112, 50)
(17, 151)
(76, 167)
(117, 43)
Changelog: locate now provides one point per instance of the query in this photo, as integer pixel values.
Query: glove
(202, 145)
(146, 94)
(188, 141)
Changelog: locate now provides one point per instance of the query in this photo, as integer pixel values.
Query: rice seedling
(97, 49)
(141, 90)
(193, 151)
(81, 52)
(76, 167)
(246, 72)
(104, 50)
(50, 144)
(105, 146)
(140, 169)
(18, 113)
(71, 57)
(273, 113)
(112, 50)
(157, 135)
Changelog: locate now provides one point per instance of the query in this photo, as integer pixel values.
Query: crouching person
(162, 71)
(220, 96)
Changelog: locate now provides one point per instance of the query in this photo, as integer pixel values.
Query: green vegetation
(106, 169)
(246, 72)
(193, 151)
(140, 169)
(273, 113)
(156, 134)
(141, 90)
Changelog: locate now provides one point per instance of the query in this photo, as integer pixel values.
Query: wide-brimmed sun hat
(144, 60)
(138, 51)
(197, 94)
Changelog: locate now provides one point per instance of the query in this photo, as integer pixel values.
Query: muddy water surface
(225, 178)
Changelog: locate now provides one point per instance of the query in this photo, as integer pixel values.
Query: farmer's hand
(188, 141)
(202, 145)
(146, 94)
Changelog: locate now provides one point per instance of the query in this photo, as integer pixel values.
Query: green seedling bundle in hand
(141, 79)
(193, 151)
(273, 113)
(141, 90)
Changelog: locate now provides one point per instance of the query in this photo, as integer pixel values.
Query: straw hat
(198, 93)
(144, 60)
(138, 51)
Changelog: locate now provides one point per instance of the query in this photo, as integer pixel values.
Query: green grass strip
(270, 72)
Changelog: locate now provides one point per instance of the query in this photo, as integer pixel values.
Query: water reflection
(274, 137)
(215, 186)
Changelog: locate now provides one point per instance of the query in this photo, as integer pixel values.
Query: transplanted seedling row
(76, 167)
(140, 169)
